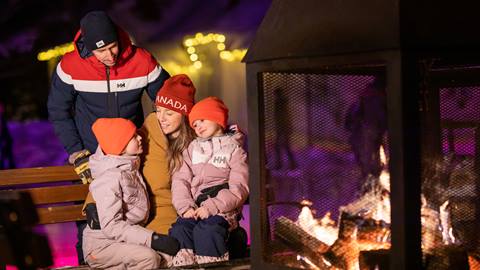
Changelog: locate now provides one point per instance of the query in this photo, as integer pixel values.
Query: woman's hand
(189, 214)
(202, 213)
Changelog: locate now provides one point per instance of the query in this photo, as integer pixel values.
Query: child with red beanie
(210, 187)
(122, 203)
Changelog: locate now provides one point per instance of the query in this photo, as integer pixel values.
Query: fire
(385, 175)
(325, 230)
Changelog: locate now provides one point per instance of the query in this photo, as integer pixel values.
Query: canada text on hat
(98, 30)
(175, 104)
(177, 94)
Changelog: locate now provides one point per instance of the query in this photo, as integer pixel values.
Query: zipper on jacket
(111, 103)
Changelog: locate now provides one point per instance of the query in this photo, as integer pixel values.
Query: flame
(325, 230)
(445, 223)
(383, 157)
(384, 175)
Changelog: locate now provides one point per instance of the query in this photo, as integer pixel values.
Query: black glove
(165, 244)
(92, 216)
(80, 164)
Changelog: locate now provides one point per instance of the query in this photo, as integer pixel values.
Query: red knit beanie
(113, 134)
(210, 108)
(177, 94)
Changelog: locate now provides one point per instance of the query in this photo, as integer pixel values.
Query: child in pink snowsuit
(121, 242)
(210, 187)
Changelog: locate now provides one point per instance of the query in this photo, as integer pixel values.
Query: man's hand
(189, 214)
(202, 213)
(92, 216)
(80, 163)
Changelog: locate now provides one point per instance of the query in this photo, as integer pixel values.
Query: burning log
(345, 251)
(300, 240)
(355, 235)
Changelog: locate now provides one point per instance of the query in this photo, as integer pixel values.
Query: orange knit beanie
(113, 134)
(210, 108)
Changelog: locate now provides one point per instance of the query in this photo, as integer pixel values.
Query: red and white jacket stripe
(94, 90)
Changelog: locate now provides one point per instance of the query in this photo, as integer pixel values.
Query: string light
(194, 57)
(197, 64)
(55, 52)
(190, 42)
(190, 50)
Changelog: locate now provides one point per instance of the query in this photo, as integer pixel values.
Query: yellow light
(192, 69)
(188, 42)
(198, 36)
(220, 38)
(194, 57)
(221, 46)
(226, 55)
(208, 39)
(190, 50)
(55, 52)
(239, 54)
(197, 64)
(41, 56)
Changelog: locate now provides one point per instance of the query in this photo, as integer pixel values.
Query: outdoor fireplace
(364, 140)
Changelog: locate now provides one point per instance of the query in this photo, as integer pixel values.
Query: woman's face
(169, 120)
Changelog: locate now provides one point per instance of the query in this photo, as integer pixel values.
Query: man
(104, 77)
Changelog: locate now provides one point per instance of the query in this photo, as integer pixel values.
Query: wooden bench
(56, 191)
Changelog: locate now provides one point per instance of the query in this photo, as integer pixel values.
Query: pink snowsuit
(122, 203)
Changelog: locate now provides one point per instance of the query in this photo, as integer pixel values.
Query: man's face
(108, 54)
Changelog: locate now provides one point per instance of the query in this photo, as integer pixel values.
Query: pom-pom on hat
(210, 108)
(177, 94)
(98, 30)
(113, 134)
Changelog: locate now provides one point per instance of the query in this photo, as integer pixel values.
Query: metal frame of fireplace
(391, 38)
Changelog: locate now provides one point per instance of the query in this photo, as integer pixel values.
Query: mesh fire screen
(450, 182)
(327, 202)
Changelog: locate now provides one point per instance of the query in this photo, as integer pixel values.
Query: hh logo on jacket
(219, 160)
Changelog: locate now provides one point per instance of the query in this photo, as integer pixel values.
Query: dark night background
(29, 27)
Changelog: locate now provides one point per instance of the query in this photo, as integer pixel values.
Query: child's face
(134, 146)
(169, 121)
(206, 128)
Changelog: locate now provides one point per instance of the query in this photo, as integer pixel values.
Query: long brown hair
(178, 144)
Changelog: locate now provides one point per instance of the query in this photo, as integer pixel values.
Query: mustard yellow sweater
(155, 173)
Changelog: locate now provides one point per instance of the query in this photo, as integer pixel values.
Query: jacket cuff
(185, 208)
(148, 240)
(211, 207)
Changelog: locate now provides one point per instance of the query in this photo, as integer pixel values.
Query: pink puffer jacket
(208, 163)
(122, 202)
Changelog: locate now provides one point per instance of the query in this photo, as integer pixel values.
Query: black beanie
(98, 30)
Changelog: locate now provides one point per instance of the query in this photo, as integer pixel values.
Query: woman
(166, 134)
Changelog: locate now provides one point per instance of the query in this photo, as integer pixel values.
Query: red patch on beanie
(177, 94)
(113, 134)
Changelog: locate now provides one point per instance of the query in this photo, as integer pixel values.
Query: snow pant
(205, 239)
(124, 256)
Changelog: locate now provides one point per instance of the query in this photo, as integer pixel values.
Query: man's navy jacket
(83, 89)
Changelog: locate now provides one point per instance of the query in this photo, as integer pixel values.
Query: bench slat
(60, 214)
(58, 194)
(37, 175)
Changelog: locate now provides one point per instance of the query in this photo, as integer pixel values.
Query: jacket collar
(126, 49)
